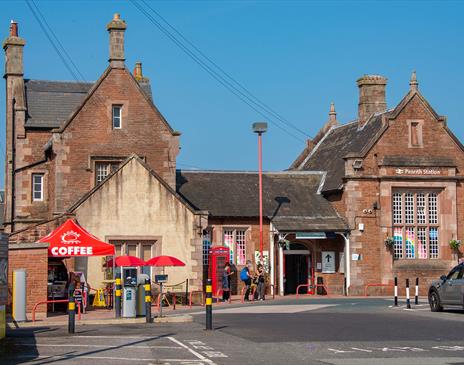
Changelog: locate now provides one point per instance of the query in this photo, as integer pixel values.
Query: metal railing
(55, 301)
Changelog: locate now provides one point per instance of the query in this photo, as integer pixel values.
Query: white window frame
(233, 246)
(115, 117)
(416, 227)
(109, 165)
(41, 184)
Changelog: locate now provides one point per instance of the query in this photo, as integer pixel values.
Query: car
(448, 291)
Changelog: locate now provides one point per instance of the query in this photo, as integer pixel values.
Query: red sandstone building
(103, 153)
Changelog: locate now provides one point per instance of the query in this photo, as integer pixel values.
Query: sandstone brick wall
(375, 184)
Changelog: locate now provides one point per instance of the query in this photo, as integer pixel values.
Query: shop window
(37, 187)
(235, 240)
(415, 225)
(117, 116)
(103, 169)
(206, 246)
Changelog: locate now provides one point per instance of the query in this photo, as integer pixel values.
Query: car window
(461, 274)
(454, 274)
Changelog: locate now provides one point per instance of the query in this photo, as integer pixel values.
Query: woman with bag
(226, 282)
(261, 282)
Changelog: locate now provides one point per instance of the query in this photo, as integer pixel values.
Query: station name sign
(414, 171)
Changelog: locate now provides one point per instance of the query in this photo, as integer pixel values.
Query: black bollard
(148, 300)
(408, 300)
(71, 315)
(209, 305)
(396, 291)
(117, 298)
(416, 296)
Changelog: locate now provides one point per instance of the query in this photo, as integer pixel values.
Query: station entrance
(297, 269)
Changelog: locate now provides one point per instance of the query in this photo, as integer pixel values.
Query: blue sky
(295, 56)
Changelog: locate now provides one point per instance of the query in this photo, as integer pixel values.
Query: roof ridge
(283, 172)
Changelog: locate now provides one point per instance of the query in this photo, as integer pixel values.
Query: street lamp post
(260, 128)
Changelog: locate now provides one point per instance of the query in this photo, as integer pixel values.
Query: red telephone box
(218, 256)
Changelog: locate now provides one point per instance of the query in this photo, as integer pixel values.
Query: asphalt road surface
(304, 331)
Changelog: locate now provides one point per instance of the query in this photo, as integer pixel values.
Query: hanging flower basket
(284, 244)
(389, 243)
(455, 244)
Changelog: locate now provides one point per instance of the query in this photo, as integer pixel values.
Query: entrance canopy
(70, 239)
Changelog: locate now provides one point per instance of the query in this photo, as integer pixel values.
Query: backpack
(243, 274)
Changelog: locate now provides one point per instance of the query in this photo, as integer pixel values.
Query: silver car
(448, 291)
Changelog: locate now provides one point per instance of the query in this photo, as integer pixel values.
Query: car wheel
(434, 301)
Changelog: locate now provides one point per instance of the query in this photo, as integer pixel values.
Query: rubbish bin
(141, 307)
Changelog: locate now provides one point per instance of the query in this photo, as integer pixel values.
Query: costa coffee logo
(70, 238)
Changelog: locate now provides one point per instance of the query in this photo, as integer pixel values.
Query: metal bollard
(416, 296)
(117, 298)
(396, 291)
(71, 314)
(147, 287)
(408, 300)
(209, 305)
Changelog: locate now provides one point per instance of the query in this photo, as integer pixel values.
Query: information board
(328, 262)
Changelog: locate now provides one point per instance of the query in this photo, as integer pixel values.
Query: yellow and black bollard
(209, 305)
(117, 298)
(148, 300)
(71, 315)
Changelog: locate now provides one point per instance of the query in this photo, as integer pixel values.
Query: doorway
(297, 267)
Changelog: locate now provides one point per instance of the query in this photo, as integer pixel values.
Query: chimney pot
(13, 29)
(138, 71)
(371, 96)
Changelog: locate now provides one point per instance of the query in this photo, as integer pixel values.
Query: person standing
(226, 282)
(246, 278)
(261, 282)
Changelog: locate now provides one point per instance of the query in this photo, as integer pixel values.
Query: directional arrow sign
(328, 262)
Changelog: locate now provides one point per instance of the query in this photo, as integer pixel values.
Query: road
(341, 331)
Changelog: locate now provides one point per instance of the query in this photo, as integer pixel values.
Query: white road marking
(273, 309)
(131, 359)
(110, 347)
(198, 355)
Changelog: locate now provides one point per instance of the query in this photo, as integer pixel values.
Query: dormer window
(117, 116)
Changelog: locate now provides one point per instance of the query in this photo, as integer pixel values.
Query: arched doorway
(297, 268)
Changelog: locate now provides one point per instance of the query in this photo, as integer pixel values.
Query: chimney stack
(116, 28)
(413, 84)
(371, 96)
(138, 71)
(13, 47)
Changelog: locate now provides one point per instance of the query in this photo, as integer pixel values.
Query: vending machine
(218, 256)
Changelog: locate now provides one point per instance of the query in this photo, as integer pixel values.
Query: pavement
(310, 330)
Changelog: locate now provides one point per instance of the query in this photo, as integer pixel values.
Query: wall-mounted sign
(413, 171)
(311, 235)
(328, 262)
(355, 256)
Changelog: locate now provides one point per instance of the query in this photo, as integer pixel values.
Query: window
(37, 187)
(143, 249)
(117, 116)
(206, 246)
(235, 240)
(415, 225)
(103, 169)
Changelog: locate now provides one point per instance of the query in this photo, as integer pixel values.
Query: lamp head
(259, 127)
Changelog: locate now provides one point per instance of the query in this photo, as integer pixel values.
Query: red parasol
(164, 261)
(126, 261)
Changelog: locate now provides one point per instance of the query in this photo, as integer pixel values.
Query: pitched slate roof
(50, 103)
(339, 142)
(291, 198)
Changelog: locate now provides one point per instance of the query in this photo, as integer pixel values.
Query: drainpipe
(346, 237)
(271, 257)
(281, 271)
(13, 165)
